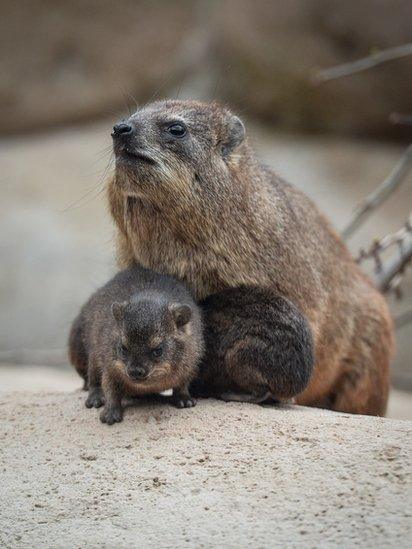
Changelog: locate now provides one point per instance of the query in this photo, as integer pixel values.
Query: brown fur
(206, 212)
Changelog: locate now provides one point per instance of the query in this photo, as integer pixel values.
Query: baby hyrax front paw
(95, 399)
(111, 415)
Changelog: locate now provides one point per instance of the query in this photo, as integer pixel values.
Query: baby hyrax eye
(177, 129)
(122, 350)
(157, 352)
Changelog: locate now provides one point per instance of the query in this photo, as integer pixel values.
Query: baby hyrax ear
(118, 310)
(234, 135)
(181, 313)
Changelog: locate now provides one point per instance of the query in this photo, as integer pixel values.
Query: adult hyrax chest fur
(191, 200)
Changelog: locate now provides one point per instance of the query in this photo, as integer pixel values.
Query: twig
(383, 192)
(380, 245)
(391, 274)
(364, 63)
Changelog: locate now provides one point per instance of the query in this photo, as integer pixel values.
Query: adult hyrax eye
(177, 129)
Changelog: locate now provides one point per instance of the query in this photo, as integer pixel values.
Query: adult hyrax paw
(184, 402)
(111, 415)
(94, 400)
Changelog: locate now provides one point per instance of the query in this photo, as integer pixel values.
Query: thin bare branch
(381, 194)
(363, 64)
(381, 244)
(391, 274)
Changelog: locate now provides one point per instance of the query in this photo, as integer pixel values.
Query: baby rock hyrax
(140, 333)
(191, 199)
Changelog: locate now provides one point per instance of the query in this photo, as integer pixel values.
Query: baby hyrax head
(151, 343)
(174, 147)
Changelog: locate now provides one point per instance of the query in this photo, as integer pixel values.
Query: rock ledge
(218, 475)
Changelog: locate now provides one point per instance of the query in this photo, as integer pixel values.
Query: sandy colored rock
(228, 475)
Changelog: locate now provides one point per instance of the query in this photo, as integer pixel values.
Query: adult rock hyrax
(190, 199)
(140, 333)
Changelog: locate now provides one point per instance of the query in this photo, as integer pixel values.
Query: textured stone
(218, 475)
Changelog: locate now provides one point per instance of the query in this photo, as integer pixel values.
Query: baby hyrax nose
(122, 130)
(138, 373)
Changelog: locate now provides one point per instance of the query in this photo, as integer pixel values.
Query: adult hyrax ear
(234, 135)
(181, 314)
(118, 310)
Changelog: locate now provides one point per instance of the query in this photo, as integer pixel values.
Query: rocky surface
(218, 475)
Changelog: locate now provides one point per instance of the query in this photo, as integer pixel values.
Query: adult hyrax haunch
(140, 333)
(190, 199)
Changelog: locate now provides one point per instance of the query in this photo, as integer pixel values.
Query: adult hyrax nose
(122, 130)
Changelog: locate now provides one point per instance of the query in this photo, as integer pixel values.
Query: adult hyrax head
(155, 342)
(172, 148)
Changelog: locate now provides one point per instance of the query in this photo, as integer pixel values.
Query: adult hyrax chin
(190, 199)
(140, 333)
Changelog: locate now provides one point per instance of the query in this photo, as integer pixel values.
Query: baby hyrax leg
(112, 390)
(182, 398)
(95, 397)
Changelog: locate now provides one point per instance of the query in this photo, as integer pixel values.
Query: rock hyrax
(140, 333)
(190, 199)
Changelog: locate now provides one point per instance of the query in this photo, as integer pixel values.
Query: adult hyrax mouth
(133, 156)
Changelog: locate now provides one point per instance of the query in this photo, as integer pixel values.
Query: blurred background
(70, 68)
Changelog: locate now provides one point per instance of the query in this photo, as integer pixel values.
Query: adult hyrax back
(190, 199)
